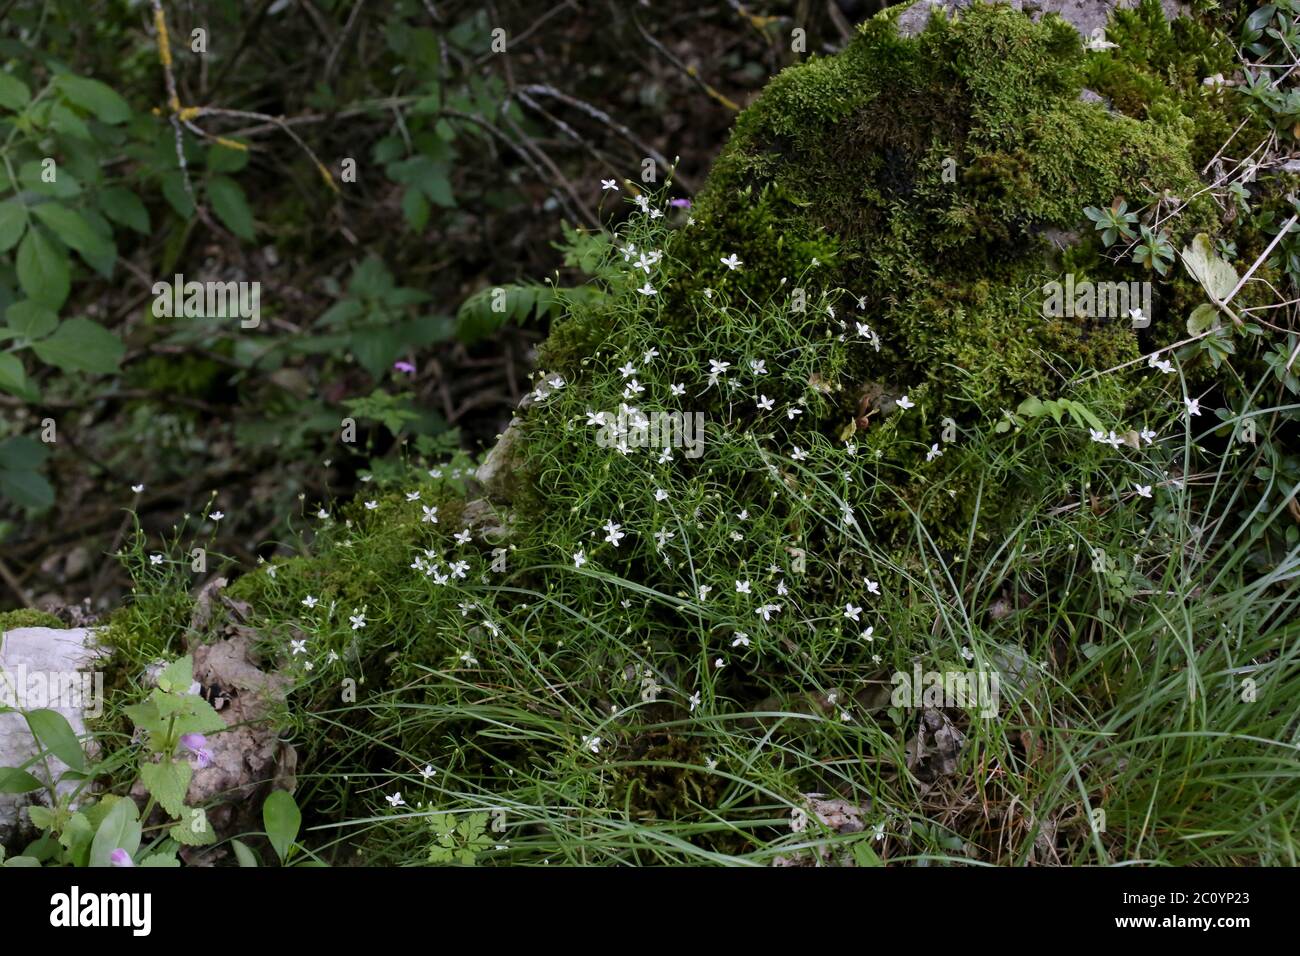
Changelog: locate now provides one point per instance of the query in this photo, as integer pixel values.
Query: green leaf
(31, 320)
(55, 734)
(177, 676)
(13, 780)
(43, 270)
(281, 818)
(223, 159)
(80, 345)
(173, 190)
(168, 782)
(64, 186)
(243, 854)
(76, 838)
(415, 208)
(161, 859)
(1203, 318)
(13, 223)
(119, 830)
(14, 94)
(231, 207)
(74, 231)
(27, 488)
(17, 861)
(94, 97)
(12, 377)
(1217, 277)
(186, 834)
(124, 208)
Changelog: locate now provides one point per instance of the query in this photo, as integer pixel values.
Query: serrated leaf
(80, 345)
(177, 676)
(1217, 277)
(231, 207)
(94, 97)
(13, 223)
(160, 859)
(76, 838)
(1203, 318)
(168, 782)
(186, 834)
(55, 734)
(43, 270)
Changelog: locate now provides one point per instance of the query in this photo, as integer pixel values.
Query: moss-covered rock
(28, 617)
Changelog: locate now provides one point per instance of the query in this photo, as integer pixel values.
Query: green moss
(27, 617)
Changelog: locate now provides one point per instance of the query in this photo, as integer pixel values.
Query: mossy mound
(922, 174)
(26, 617)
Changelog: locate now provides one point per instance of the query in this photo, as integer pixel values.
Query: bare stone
(42, 654)
(1086, 16)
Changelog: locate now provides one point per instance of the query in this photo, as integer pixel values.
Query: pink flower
(406, 367)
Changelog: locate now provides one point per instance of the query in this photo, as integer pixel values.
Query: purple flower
(406, 367)
(120, 857)
(680, 203)
(197, 745)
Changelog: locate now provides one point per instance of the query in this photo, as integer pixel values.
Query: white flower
(358, 620)
(869, 634)
(798, 454)
(1148, 436)
(608, 184)
(323, 514)
(309, 601)
(396, 800)
(462, 536)
(1137, 318)
(412, 496)
(1098, 42)
(792, 411)
(716, 368)
(878, 831)
(873, 587)
(758, 366)
(579, 558)
(216, 516)
(647, 289)
(742, 587)
(741, 640)
(298, 647)
(677, 389)
(430, 515)
(1164, 366)
(1143, 491)
(766, 611)
(650, 356)
(731, 262)
(934, 452)
(372, 505)
(905, 403)
(592, 744)
(660, 494)
(643, 203)
(719, 663)
(764, 403)
(155, 559)
(1193, 406)
(695, 700)
(704, 590)
(633, 388)
(781, 589)
(628, 370)
(612, 533)
(137, 488)
(851, 612)
(428, 772)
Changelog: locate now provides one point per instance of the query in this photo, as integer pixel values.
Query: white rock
(43, 667)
